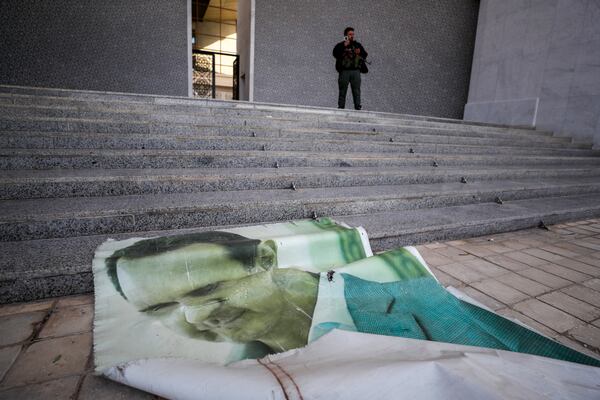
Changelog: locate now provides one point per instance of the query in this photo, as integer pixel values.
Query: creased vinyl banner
(270, 311)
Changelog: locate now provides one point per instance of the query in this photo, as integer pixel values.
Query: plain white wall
(244, 46)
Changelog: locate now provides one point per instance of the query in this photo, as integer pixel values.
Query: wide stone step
(14, 103)
(23, 140)
(124, 100)
(75, 115)
(133, 111)
(389, 230)
(95, 158)
(56, 267)
(450, 134)
(51, 218)
(409, 135)
(185, 106)
(29, 184)
(236, 126)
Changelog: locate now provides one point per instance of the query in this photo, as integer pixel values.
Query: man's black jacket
(339, 51)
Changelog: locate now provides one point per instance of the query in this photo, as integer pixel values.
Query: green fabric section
(397, 323)
(404, 264)
(349, 239)
(422, 309)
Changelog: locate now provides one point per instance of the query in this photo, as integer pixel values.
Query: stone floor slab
(532, 240)
(545, 278)
(593, 261)
(59, 389)
(593, 284)
(18, 327)
(498, 248)
(573, 247)
(571, 305)
(563, 272)
(69, 320)
(578, 230)
(593, 230)
(563, 232)
(560, 251)
(547, 315)
(75, 300)
(455, 254)
(22, 308)
(522, 284)
(447, 280)
(8, 355)
(507, 263)
(484, 299)
(50, 359)
(587, 334)
(462, 272)
(590, 243)
(543, 254)
(500, 291)
(477, 250)
(579, 266)
(514, 244)
(525, 258)
(435, 259)
(583, 293)
(486, 268)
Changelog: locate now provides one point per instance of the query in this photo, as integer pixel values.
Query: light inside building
(214, 25)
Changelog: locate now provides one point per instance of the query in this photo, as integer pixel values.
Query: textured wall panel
(128, 46)
(542, 49)
(421, 52)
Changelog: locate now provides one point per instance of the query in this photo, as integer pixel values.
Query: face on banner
(222, 296)
(219, 287)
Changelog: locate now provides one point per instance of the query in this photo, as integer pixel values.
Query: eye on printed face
(200, 291)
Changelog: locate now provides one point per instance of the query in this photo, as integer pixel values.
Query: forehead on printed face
(155, 273)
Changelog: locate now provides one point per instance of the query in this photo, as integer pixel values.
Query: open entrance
(215, 62)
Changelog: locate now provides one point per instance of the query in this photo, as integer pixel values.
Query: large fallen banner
(305, 310)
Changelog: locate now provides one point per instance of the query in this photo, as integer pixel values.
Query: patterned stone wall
(126, 46)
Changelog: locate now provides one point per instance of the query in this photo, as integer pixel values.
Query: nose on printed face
(199, 313)
(221, 317)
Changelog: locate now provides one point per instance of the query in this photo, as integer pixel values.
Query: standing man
(348, 55)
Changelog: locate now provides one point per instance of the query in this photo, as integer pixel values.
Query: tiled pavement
(550, 280)
(547, 279)
(45, 353)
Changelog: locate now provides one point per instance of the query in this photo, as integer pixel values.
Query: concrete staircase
(78, 167)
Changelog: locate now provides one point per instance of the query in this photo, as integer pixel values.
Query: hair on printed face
(348, 29)
(238, 247)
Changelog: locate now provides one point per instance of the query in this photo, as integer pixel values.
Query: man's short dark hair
(239, 248)
(348, 29)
